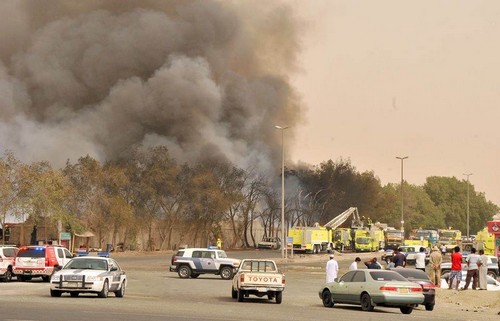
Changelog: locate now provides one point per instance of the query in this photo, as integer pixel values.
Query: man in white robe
(483, 270)
(332, 269)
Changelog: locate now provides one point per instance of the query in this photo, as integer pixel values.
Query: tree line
(146, 200)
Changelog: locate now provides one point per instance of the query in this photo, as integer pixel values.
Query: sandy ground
(469, 301)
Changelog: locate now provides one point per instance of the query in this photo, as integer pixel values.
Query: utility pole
(402, 207)
(468, 236)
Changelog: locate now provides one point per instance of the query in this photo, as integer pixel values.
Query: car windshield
(222, 254)
(386, 276)
(363, 240)
(86, 264)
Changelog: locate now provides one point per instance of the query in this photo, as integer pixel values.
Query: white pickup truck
(259, 278)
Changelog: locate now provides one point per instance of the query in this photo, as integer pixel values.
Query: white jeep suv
(192, 262)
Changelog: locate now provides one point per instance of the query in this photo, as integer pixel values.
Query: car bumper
(262, 288)
(398, 300)
(34, 272)
(173, 268)
(78, 286)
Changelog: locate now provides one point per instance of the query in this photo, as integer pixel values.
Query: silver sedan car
(370, 288)
(88, 274)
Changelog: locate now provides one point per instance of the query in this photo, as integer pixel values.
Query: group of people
(476, 271)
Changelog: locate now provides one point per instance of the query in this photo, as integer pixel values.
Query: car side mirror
(113, 268)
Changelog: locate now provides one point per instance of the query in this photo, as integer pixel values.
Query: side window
(347, 277)
(68, 254)
(197, 254)
(208, 255)
(116, 264)
(359, 277)
(9, 252)
(60, 253)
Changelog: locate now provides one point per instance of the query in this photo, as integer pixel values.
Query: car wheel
(327, 299)
(45, 278)
(121, 291)
(366, 302)
(226, 273)
(279, 297)
(429, 306)
(55, 293)
(184, 271)
(74, 294)
(105, 290)
(234, 293)
(406, 310)
(241, 295)
(195, 275)
(492, 274)
(8, 276)
(445, 271)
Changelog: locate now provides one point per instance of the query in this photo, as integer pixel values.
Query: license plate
(27, 272)
(403, 290)
(70, 284)
(262, 289)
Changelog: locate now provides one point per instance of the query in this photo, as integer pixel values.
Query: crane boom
(341, 218)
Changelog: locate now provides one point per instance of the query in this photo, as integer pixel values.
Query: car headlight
(55, 278)
(93, 278)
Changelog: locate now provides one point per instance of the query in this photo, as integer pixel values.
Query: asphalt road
(153, 293)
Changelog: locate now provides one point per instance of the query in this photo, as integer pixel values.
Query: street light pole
(283, 241)
(402, 208)
(468, 205)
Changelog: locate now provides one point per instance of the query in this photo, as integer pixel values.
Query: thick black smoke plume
(205, 78)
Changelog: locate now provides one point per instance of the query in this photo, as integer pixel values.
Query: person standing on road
(435, 260)
(483, 270)
(354, 265)
(472, 272)
(443, 250)
(420, 259)
(332, 269)
(456, 268)
(399, 259)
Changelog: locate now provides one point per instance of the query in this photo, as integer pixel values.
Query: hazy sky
(420, 79)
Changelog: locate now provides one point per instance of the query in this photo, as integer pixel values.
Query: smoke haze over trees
(207, 79)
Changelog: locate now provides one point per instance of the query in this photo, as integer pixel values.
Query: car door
(116, 274)
(207, 261)
(340, 288)
(356, 286)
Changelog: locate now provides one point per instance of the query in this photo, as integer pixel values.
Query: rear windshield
(387, 276)
(32, 252)
(258, 266)
(412, 274)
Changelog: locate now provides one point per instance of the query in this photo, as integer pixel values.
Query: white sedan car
(87, 274)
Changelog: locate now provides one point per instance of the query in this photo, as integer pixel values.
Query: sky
(381, 79)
